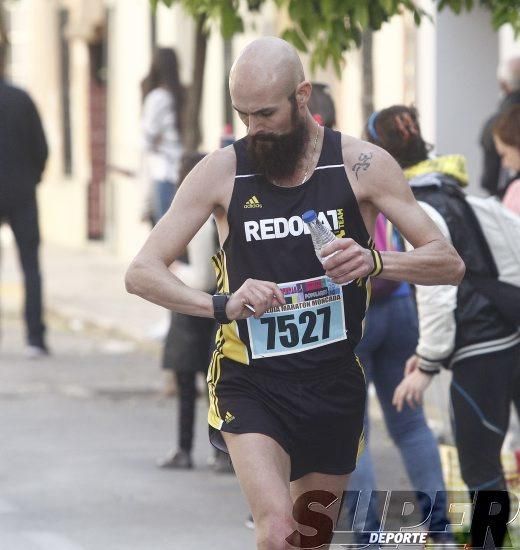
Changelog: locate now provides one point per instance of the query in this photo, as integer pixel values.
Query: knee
(273, 529)
(478, 470)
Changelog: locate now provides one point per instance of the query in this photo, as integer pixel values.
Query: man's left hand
(348, 260)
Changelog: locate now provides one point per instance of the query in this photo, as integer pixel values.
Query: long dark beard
(276, 155)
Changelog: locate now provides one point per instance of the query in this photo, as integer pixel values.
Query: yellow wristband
(378, 263)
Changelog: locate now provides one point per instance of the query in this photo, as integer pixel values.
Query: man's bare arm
(381, 185)
(148, 275)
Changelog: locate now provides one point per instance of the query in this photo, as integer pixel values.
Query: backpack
(498, 231)
(495, 272)
(501, 229)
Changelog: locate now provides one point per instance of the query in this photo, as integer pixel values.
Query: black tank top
(321, 322)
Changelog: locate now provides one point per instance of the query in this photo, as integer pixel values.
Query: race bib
(312, 316)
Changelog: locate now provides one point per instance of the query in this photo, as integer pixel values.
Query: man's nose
(253, 127)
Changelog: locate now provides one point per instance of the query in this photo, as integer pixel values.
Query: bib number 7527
(313, 316)
(293, 329)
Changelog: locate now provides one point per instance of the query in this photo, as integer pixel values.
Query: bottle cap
(309, 216)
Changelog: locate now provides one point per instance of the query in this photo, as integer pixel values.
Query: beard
(276, 155)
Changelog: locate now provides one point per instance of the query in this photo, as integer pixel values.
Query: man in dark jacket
(494, 179)
(23, 154)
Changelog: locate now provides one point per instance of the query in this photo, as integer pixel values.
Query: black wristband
(430, 366)
(219, 308)
(378, 263)
(428, 371)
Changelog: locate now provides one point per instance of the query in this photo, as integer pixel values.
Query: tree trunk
(367, 102)
(192, 132)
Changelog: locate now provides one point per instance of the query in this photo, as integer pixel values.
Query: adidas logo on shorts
(229, 417)
(253, 202)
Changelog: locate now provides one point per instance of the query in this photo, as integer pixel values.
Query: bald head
(509, 74)
(268, 62)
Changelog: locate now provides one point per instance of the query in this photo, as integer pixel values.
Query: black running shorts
(316, 417)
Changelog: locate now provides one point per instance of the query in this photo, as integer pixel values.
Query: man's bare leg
(329, 485)
(263, 470)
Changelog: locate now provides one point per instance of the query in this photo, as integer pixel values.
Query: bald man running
(287, 393)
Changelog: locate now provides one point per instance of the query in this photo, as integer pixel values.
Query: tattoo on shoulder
(363, 164)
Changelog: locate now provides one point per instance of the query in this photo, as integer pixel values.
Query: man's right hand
(261, 295)
(412, 387)
(412, 364)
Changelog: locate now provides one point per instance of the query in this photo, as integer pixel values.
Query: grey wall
(467, 92)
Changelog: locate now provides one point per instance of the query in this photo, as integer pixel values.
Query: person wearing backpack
(468, 329)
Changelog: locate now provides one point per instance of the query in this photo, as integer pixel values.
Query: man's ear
(303, 93)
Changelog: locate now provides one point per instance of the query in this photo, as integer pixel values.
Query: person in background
(494, 179)
(23, 154)
(190, 339)
(389, 338)
(506, 135)
(321, 105)
(459, 328)
(161, 125)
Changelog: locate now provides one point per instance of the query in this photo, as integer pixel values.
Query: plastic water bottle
(321, 234)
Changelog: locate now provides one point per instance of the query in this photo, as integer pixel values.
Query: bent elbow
(462, 271)
(131, 278)
(459, 270)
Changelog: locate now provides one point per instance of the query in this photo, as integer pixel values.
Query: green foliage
(225, 12)
(328, 28)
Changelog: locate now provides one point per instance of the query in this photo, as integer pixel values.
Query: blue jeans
(163, 192)
(390, 338)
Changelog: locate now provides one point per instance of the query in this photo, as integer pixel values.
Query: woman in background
(161, 125)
